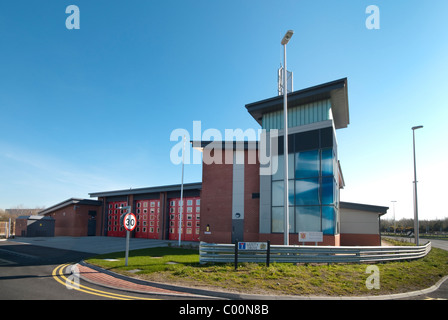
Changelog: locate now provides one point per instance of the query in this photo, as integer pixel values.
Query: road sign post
(253, 246)
(129, 223)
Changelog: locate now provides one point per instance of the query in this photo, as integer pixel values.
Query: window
(198, 202)
(313, 190)
(307, 191)
(189, 202)
(327, 162)
(307, 164)
(308, 218)
(328, 184)
(328, 220)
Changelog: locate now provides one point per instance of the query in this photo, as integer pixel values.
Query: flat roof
(363, 207)
(336, 91)
(68, 202)
(174, 187)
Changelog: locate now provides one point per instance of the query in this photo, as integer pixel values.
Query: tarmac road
(31, 272)
(38, 268)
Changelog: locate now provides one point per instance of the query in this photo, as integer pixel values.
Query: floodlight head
(417, 127)
(287, 37)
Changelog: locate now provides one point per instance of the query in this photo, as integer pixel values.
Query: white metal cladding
(225, 253)
(299, 115)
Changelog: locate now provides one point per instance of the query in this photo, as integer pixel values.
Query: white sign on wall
(313, 236)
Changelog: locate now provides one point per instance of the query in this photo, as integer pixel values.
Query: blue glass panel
(278, 220)
(327, 162)
(281, 163)
(307, 164)
(308, 218)
(307, 191)
(277, 193)
(328, 220)
(328, 187)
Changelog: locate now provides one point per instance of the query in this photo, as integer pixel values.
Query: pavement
(106, 278)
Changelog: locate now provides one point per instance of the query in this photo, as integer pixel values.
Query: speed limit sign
(130, 222)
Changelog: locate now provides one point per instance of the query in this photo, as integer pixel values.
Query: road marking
(59, 277)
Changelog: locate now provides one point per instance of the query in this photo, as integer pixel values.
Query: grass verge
(181, 266)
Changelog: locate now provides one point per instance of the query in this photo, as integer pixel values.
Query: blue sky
(92, 109)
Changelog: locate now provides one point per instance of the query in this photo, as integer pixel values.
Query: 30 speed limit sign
(130, 222)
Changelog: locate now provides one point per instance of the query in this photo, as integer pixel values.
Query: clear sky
(92, 109)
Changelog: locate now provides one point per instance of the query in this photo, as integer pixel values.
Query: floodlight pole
(416, 226)
(182, 194)
(284, 42)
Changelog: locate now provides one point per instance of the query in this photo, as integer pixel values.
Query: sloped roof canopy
(336, 91)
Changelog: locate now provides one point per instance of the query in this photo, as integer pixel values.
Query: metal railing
(225, 253)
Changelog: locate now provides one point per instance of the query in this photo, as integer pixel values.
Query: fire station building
(237, 200)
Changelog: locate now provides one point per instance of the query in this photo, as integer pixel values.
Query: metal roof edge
(364, 207)
(156, 189)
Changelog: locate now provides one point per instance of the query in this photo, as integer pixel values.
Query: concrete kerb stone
(155, 287)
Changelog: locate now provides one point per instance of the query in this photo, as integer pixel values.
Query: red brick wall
(71, 222)
(251, 206)
(216, 201)
(352, 239)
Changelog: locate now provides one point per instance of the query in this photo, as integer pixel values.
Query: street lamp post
(284, 42)
(416, 231)
(393, 203)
